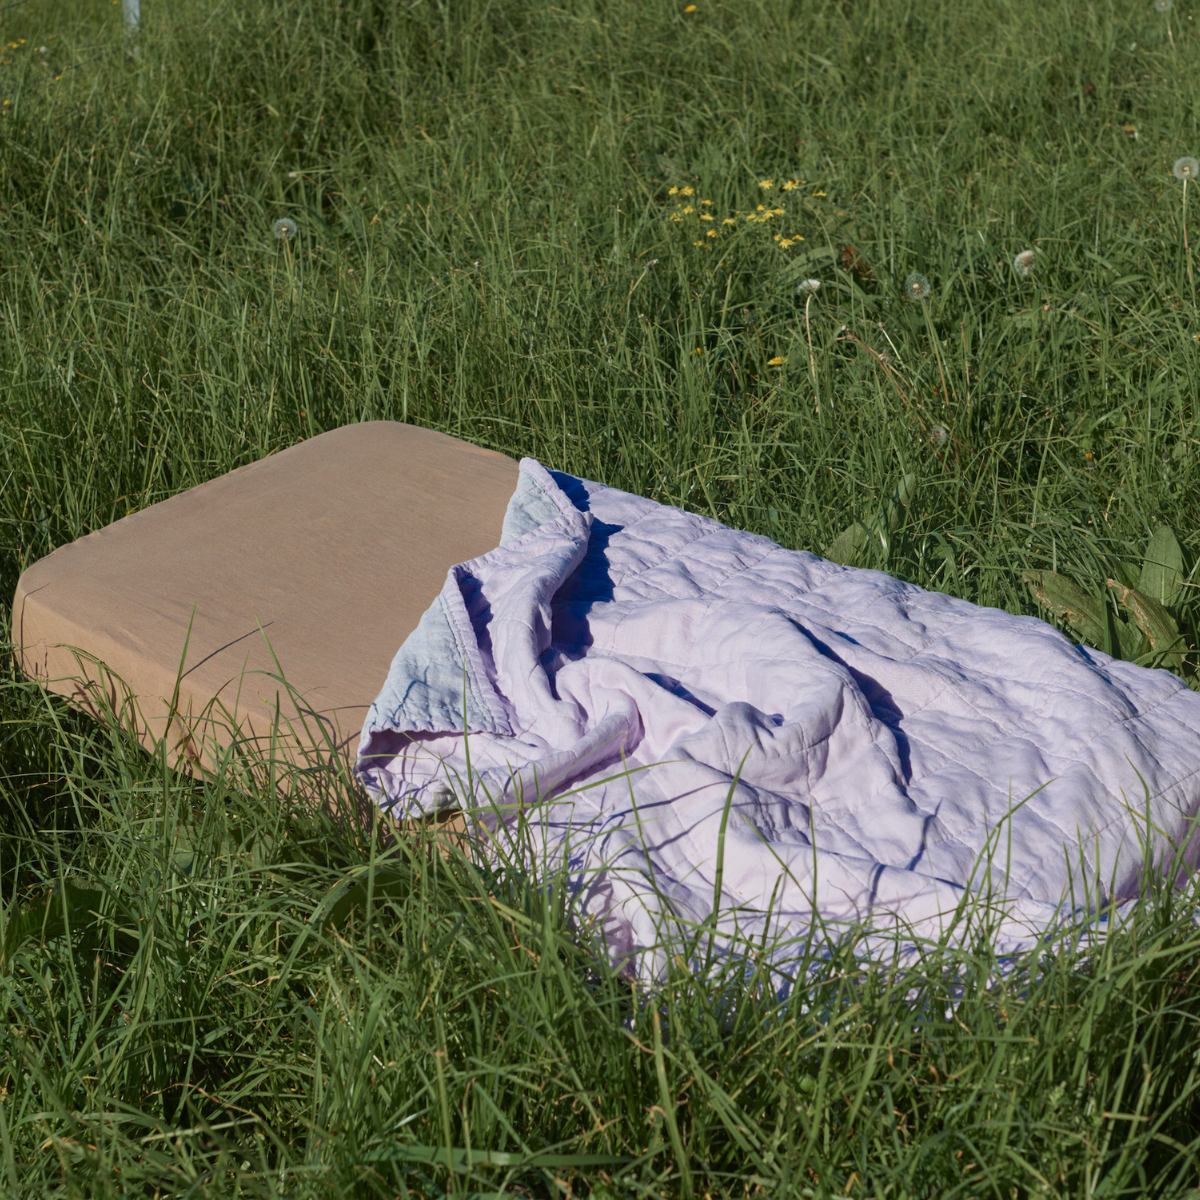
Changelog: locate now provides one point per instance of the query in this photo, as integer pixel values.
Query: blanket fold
(634, 679)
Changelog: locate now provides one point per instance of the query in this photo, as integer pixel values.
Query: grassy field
(584, 234)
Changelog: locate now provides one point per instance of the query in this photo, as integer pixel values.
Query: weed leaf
(1155, 622)
(72, 907)
(1162, 568)
(850, 547)
(1067, 600)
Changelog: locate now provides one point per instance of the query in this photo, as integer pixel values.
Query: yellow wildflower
(766, 184)
(676, 217)
(712, 233)
(761, 208)
(706, 216)
(776, 361)
(779, 237)
(691, 191)
(729, 221)
(688, 208)
(673, 192)
(706, 202)
(816, 194)
(690, 8)
(791, 185)
(777, 211)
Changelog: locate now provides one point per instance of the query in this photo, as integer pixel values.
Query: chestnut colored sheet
(309, 566)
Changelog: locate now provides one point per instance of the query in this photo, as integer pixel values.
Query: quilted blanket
(709, 732)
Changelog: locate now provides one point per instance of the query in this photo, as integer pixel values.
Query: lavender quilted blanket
(703, 726)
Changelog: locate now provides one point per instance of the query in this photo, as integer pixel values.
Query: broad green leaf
(1085, 614)
(851, 545)
(1162, 567)
(1131, 641)
(902, 498)
(848, 547)
(72, 907)
(1155, 622)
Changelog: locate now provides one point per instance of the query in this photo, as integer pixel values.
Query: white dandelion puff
(1186, 168)
(1023, 263)
(285, 229)
(917, 287)
(808, 287)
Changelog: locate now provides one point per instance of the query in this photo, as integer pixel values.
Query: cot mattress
(259, 611)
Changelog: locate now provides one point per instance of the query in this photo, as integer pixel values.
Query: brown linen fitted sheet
(310, 566)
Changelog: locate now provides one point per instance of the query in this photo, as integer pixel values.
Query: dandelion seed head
(285, 229)
(652, 264)
(1023, 263)
(1186, 168)
(1162, 6)
(939, 435)
(807, 287)
(917, 287)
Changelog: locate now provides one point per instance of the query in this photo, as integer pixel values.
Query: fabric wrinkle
(884, 751)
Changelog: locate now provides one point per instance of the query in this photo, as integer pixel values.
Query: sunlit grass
(483, 201)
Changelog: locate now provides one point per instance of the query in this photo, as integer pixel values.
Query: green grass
(211, 992)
